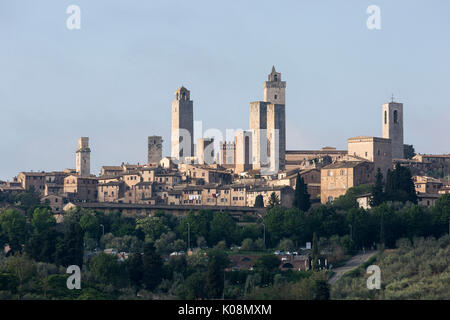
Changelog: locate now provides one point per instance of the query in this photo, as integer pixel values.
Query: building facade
(376, 150)
(338, 177)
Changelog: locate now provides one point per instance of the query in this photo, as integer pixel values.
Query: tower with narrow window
(393, 127)
(154, 151)
(83, 157)
(268, 126)
(182, 124)
(274, 88)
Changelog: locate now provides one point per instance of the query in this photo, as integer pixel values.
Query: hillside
(414, 270)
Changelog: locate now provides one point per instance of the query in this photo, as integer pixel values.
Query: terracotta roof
(344, 164)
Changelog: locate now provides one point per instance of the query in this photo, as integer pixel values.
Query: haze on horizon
(114, 79)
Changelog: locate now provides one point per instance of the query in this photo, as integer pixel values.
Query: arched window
(385, 117)
(275, 77)
(395, 116)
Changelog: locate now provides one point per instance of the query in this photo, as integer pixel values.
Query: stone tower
(205, 150)
(258, 129)
(182, 124)
(154, 149)
(83, 157)
(268, 126)
(274, 88)
(393, 127)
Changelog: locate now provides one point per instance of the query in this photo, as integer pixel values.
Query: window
(275, 97)
(385, 117)
(395, 116)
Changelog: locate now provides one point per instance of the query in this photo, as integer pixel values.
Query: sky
(113, 79)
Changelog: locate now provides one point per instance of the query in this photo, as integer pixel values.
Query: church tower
(182, 124)
(274, 88)
(83, 157)
(393, 127)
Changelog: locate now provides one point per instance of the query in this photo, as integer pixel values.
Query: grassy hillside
(418, 269)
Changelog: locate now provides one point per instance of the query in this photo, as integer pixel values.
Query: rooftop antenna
(392, 98)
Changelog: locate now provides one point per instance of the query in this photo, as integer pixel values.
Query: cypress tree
(259, 201)
(315, 253)
(377, 194)
(152, 267)
(274, 201)
(301, 196)
(400, 186)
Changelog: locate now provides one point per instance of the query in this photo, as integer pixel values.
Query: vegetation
(417, 269)
(39, 249)
(301, 196)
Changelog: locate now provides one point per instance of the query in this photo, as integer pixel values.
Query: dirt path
(350, 264)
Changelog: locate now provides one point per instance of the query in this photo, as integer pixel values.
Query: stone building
(310, 176)
(393, 127)
(55, 202)
(34, 180)
(111, 191)
(376, 150)
(309, 159)
(111, 170)
(338, 177)
(83, 157)
(243, 151)
(206, 174)
(429, 185)
(81, 188)
(191, 195)
(154, 149)
(284, 193)
(227, 152)
(182, 124)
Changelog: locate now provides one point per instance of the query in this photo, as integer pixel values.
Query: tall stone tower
(154, 149)
(393, 127)
(268, 126)
(276, 136)
(258, 129)
(274, 88)
(83, 157)
(182, 124)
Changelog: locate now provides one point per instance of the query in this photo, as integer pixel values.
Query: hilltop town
(197, 175)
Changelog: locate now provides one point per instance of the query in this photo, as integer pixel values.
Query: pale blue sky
(114, 79)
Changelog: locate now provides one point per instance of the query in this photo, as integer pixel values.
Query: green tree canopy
(14, 228)
(274, 201)
(400, 186)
